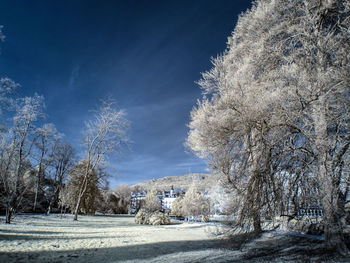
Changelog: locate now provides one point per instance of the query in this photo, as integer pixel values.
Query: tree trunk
(333, 213)
(330, 189)
(11, 208)
(9, 214)
(257, 224)
(81, 193)
(255, 184)
(334, 236)
(48, 210)
(38, 182)
(76, 211)
(36, 194)
(63, 210)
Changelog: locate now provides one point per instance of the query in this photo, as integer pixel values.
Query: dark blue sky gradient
(145, 54)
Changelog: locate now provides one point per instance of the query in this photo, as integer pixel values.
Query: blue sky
(146, 55)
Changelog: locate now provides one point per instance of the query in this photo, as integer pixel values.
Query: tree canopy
(274, 114)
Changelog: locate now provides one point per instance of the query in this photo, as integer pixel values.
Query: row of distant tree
(274, 118)
(39, 171)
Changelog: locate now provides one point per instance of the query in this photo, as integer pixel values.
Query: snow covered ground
(39, 238)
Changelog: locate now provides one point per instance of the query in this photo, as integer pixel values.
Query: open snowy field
(39, 238)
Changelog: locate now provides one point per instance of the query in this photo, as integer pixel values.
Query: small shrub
(159, 218)
(142, 217)
(146, 218)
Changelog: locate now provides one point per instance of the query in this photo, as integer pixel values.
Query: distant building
(136, 200)
(168, 199)
(170, 196)
(165, 197)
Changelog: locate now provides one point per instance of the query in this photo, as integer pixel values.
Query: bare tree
(105, 134)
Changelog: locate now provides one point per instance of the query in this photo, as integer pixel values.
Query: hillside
(204, 181)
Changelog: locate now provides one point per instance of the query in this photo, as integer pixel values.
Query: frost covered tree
(223, 199)
(177, 207)
(234, 126)
(7, 89)
(316, 55)
(61, 161)
(194, 202)
(104, 134)
(123, 192)
(152, 202)
(16, 141)
(46, 137)
(77, 178)
(109, 202)
(7, 102)
(23, 147)
(277, 100)
(311, 42)
(20, 140)
(63, 199)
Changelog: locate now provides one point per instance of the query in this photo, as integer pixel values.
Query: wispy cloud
(190, 164)
(73, 79)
